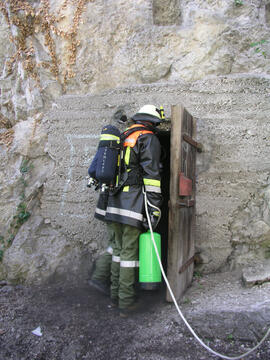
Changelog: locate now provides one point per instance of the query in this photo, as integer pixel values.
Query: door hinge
(186, 265)
(193, 143)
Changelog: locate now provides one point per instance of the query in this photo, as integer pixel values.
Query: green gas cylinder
(149, 270)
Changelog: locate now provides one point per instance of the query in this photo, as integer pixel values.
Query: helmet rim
(148, 113)
(146, 117)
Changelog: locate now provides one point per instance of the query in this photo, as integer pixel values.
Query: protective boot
(100, 277)
(99, 286)
(130, 310)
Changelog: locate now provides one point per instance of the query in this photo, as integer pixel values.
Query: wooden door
(182, 201)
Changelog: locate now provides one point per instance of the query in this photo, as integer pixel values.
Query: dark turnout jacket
(142, 158)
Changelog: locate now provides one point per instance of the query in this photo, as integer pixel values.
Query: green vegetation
(267, 253)
(238, 2)
(1, 244)
(259, 47)
(186, 301)
(22, 214)
(266, 247)
(197, 274)
(25, 166)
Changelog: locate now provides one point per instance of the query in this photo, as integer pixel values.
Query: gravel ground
(78, 323)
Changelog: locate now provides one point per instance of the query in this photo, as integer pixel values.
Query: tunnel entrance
(162, 228)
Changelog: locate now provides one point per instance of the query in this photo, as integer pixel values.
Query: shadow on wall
(267, 14)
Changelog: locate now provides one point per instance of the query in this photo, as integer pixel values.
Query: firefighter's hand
(154, 215)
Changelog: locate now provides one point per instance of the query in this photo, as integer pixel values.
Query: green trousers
(102, 270)
(124, 264)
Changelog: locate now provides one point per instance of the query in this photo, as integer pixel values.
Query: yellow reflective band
(109, 137)
(151, 182)
(117, 180)
(127, 155)
(126, 188)
(161, 109)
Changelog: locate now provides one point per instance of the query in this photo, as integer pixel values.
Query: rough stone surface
(256, 275)
(166, 12)
(193, 52)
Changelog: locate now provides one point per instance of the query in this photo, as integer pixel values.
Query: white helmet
(149, 113)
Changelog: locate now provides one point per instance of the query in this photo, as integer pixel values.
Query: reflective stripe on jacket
(100, 211)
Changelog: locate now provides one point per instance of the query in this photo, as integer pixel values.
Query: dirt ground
(78, 323)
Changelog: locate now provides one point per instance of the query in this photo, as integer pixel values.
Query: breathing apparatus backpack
(108, 168)
(104, 165)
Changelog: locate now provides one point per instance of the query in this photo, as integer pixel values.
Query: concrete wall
(232, 172)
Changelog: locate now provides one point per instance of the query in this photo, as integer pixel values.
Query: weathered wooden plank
(186, 214)
(177, 112)
(181, 219)
(193, 218)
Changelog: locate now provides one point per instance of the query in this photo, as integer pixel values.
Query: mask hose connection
(239, 357)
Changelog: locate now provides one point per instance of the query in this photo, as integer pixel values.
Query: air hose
(177, 307)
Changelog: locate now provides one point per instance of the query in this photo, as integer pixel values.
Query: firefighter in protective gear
(126, 208)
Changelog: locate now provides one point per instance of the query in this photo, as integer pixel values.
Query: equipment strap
(115, 144)
(133, 177)
(131, 130)
(132, 134)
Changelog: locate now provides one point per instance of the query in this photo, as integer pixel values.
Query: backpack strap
(130, 136)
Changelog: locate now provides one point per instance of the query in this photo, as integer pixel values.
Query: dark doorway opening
(162, 228)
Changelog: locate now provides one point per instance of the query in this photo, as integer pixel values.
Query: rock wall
(73, 71)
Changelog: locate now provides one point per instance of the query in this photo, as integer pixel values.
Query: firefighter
(125, 208)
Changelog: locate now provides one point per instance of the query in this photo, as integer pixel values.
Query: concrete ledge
(256, 275)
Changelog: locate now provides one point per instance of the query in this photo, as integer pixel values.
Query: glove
(154, 215)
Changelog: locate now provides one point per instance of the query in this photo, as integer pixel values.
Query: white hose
(178, 309)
